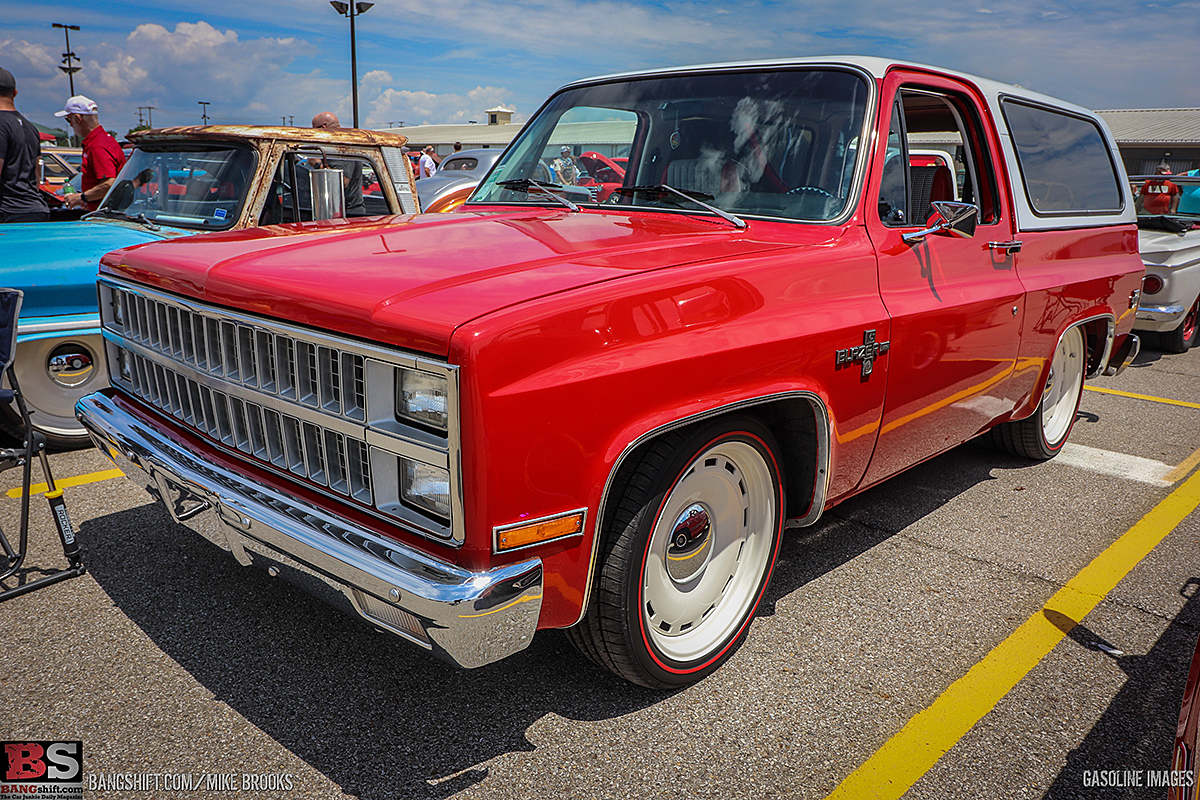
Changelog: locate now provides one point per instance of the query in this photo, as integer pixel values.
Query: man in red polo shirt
(102, 156)
(1158, 196)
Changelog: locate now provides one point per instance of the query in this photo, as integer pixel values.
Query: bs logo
(41, 762)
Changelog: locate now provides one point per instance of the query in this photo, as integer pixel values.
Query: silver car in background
(456, 177)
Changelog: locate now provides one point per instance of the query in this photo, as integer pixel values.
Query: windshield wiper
(142, 218)
(529, 185)
(696, 197)
(105, 211)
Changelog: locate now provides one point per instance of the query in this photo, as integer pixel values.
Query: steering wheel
(817, 190)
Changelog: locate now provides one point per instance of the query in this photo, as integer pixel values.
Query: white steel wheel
(687, 556)
(1042, 435)
(1060, 400)
(708, 552)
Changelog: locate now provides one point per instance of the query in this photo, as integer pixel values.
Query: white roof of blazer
(993, 91)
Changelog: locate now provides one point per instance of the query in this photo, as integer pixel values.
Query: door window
(935, 151)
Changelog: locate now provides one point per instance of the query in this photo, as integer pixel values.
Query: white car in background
(1170, 248)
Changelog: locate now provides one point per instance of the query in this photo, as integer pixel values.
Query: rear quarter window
(1066, 166)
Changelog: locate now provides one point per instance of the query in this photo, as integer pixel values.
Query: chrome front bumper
(467, 618)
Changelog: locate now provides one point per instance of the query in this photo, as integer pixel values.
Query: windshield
(1164, 194)
(778, 143)
(194, 186)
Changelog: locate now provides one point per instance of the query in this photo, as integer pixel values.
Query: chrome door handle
(1009, 247)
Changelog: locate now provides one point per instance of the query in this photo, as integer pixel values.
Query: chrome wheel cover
(52, 383)
(697, 593)
(1061, 396)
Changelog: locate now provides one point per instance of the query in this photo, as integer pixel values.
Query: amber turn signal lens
(539, 532)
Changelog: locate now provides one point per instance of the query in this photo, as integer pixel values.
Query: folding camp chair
(35, 444)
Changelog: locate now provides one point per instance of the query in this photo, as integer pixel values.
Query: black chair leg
(35, 444)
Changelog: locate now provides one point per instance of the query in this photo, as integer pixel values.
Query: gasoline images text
(190, 781)
(1137, 777)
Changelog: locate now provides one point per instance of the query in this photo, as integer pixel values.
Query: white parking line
(1134, 468)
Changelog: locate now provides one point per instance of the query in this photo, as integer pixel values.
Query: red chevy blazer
(548, 411)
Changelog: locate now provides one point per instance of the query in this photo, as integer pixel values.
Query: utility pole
(68, 56)
(150, 117)
(283, 120)
(292, 121)
(399, 123)
(204, 111)
(352, 10)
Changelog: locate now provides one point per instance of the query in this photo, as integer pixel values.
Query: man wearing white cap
(102, 156)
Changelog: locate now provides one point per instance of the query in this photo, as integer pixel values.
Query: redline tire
(666, 612)
(1184, 337)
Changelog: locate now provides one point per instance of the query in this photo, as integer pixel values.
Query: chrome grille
(252, 356)
(324, 457)
(313, 407)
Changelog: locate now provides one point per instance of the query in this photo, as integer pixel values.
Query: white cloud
(423, 108)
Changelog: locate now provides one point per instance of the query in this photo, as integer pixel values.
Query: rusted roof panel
(357, 136)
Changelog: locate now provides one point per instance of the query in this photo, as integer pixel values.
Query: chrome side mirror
(950, 217)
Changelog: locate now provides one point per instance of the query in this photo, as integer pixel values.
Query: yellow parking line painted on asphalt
(78, 480)
(916, 747)
(1184, 467)
(1151, 398)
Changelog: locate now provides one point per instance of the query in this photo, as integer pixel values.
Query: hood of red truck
(410, 281)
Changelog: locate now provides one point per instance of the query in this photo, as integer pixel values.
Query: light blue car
(177, 182)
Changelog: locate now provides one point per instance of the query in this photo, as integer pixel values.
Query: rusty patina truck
(177, 182)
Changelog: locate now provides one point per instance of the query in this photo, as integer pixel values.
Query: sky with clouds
(423, 62)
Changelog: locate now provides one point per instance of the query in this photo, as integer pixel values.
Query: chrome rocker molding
(464, 617)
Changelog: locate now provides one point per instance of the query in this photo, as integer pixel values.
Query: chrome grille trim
(302, 403)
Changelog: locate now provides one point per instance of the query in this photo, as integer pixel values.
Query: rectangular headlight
(425, 487)
(125, 364)
(421, 397)
(118, 307)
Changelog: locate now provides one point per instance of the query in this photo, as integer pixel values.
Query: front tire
(687, 555)
(1042, 435)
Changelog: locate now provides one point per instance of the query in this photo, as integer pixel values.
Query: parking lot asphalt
(167, 659)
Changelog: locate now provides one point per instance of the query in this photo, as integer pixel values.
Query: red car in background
(603, 172)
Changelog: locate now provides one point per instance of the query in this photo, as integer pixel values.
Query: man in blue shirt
(1189, 201)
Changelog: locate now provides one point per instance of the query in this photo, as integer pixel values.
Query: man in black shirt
(20, 148)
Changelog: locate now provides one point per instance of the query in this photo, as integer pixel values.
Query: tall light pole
(204, 110)
(68, 56)
(352, 10)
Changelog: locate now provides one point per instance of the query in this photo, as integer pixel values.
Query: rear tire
(687, 555)
(1042, 435)
(1182, 338)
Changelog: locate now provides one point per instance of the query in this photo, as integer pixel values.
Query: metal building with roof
(1148, 137)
